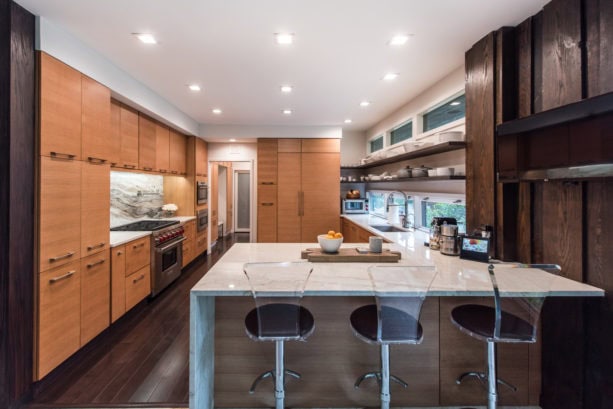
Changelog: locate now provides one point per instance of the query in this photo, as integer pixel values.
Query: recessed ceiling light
(455, 103)
(284, 38)
(364, 103)
(286, 89)
(146, 38)
(348, 121)
(390, 76)
(287, 112)
(232, 140)
(194, 87)
(217, 111)
(400, 39)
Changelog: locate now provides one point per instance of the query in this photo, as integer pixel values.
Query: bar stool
(513, 319)
(277, 289)
(399, 293)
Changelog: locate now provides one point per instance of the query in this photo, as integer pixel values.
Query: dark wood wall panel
(506, 75)
(537, 62)
(558, 224)
(561, 69)
(599, 33)
(524, 223)
(17, 96)
(599, 313)
(523, 50)
(480, 185)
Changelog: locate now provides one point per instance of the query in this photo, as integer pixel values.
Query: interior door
(321, 192)
(242, 201)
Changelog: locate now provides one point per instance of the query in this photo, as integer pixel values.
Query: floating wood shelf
(427, 151)
(424, 179)
(584, 109)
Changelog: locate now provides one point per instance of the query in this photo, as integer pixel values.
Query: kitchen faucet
(390, 202)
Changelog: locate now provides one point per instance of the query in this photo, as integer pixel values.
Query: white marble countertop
(117, 238)
(455, 277)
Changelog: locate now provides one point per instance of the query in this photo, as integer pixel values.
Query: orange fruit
(329, 236)
(331, 232)
(338, 236)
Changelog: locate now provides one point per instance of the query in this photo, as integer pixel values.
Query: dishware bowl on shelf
(432, 172)
(451, 136)
(445, 171)
(329, 245)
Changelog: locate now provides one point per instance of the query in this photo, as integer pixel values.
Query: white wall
(62, 45)
(443, 89)
(221, 133)
(232, 152)
(353, 147)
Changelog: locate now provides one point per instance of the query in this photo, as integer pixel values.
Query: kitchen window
(448, 112)
(376, 144)
(443, 207)
(402, 133)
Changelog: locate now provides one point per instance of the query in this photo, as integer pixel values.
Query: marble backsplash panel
(135, 196)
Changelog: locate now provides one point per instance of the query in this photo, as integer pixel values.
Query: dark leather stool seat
(289, 321)
(480, 320)
(403, 327)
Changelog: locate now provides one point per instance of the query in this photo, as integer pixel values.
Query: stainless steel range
(166, 250)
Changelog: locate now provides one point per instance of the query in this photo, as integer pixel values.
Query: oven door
(168, 260)
(202, 193)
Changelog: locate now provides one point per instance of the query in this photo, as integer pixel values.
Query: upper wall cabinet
(162, 147)
(124, 135)
(96, 121)
(146, 143)
(177, 153)
(60, 110)
(202, 161)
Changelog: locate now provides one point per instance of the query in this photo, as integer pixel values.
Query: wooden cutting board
(350, 255)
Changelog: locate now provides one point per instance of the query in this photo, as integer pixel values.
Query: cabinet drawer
(138, 254)
(190, 230)
(188, 252)
(201, 243)
(138, 286)
(59, 306)
(95, 295)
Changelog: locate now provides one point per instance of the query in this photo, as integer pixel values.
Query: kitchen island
(223, 361)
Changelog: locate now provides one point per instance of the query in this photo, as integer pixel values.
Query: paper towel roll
(393, 216)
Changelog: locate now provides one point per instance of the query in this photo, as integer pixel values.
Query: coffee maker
(435, 230)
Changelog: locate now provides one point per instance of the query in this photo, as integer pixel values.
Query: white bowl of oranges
(331, 242)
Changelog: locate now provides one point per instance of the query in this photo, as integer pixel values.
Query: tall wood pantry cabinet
(298, 189)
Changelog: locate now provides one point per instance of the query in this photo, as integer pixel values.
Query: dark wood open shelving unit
(424, 179)
(427, 151)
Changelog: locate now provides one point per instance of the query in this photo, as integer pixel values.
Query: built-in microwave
(353, 206)
(202, 193)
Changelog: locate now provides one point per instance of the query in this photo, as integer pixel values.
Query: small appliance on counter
(354, 206)
(435, 230)
(450, 240)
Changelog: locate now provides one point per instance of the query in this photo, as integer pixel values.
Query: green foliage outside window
(437, 209)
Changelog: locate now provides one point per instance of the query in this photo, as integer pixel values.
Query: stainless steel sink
(388, 228)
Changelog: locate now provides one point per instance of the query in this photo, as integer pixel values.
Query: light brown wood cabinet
(138, 286)
(124, 136)
(95, 121)
(59, 212)
(95, 204)
(59, 317)
(307, 189)
(177, 153)
(189, 245)
(202, 161)
(267, 190)
(201, 242)
(95, 295)
(138, 254)
(162, 148)
(213, 205)
(60, 108)
(146, 143)
(118, 282)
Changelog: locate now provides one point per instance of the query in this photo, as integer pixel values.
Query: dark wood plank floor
(142, 359)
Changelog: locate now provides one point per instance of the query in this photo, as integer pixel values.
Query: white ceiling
(337, 60)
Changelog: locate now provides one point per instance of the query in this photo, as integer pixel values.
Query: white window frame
(375, 138)
(454, 124)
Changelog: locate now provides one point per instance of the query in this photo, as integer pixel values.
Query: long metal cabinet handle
(62, 155)
(301, 195)
(62, 277)
(96, 246)
(138, 279)
(63, 256)
(96, 263)
(99, 161)
(267, 204)
(268, 183)
(129, 166)
(135, 246)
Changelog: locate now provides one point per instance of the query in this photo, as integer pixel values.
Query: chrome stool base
(271, 374)
(377, 375)
(482, 378)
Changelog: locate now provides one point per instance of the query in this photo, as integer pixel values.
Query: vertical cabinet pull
(301, 203)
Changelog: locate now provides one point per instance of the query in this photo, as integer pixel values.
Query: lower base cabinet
(352, 233)
(137, 286)
(59, 320)
(189, 245)
(95, 295)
